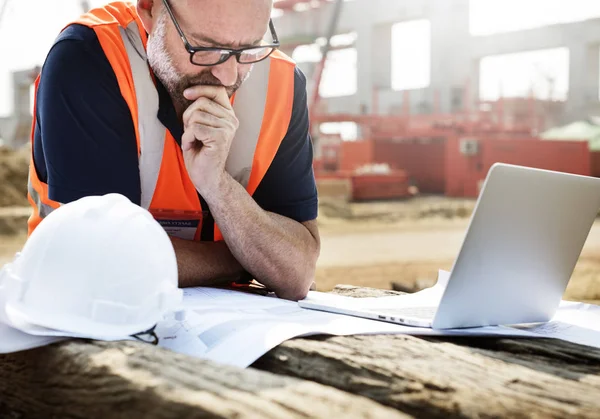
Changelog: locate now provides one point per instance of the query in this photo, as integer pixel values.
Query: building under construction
(444, 136)
(455, 53)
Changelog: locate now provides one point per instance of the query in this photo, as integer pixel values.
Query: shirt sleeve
(289, 188)
(84, 141)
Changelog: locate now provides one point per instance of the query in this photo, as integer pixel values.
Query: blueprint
(574, 322)
(236, 328)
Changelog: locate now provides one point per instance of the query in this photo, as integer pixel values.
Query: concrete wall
(7, 130)
(15, 130)
(455, 53)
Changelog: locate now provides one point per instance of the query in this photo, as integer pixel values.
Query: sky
(27, 32)
(491, 16)
(29, 28)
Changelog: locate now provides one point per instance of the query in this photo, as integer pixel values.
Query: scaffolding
(504, 117)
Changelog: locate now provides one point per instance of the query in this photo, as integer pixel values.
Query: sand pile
(14, 167)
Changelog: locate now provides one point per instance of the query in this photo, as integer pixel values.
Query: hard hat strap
(148, 333)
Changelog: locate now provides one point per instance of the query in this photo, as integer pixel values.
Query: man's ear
(146, 12)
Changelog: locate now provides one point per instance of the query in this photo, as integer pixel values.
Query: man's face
(205, 23)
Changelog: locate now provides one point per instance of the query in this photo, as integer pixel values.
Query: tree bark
(83, 379)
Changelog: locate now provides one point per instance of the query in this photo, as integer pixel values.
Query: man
(186, 108)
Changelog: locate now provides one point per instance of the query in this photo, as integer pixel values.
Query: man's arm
(205, 263)
(273, 234)
(280, 252)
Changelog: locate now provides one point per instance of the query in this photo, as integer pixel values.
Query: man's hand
(210, 125)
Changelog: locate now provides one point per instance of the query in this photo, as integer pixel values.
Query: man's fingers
(188, 141)
(199, 133)
(196, 136)
(204, 118)
(206, 105)
(216, 93)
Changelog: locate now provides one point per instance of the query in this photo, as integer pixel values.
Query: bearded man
(187, 108)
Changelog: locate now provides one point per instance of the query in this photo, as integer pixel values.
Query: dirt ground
(13, 177)
(399, 245)
(403, 245)
(408, 258)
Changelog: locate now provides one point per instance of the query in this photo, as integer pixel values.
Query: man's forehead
(227, 23)
(258, 6)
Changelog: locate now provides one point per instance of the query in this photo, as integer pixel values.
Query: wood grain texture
(458, 377)
(83, 379)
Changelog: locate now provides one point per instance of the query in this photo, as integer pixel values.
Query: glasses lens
(208, 57)
(253, 55)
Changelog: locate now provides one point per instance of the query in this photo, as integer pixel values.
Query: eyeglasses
(211, 56)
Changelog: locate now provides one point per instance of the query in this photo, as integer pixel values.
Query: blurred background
(411, 102)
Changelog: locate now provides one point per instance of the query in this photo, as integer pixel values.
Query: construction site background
(399, 244)
(399, 165)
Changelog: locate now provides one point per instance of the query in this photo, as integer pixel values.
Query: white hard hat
(100, 267)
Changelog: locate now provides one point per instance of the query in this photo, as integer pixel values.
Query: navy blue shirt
(85, 144)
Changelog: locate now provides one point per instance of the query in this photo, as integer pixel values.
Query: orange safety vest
(263, 106)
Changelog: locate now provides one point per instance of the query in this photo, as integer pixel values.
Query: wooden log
(458, 377)
(83, 379)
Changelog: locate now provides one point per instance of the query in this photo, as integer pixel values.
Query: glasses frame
(225, 52)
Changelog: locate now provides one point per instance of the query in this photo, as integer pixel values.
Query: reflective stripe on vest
(249, 107)
(151, 131)
(43, 209)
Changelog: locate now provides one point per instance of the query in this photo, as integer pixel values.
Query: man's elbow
(296, 292)
(300, 274)
(301, 280)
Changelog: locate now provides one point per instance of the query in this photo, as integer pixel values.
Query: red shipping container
(465, 172)
(394, 185)
(355, 154)
(423, 159)
(595, 163)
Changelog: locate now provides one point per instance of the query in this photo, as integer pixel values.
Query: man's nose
(227, 72)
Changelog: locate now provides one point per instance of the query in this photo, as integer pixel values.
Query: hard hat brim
(13, 340)
(36, 323)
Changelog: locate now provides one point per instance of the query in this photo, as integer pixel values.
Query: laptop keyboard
(426, 313)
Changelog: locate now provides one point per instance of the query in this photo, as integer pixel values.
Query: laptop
(522, 243)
